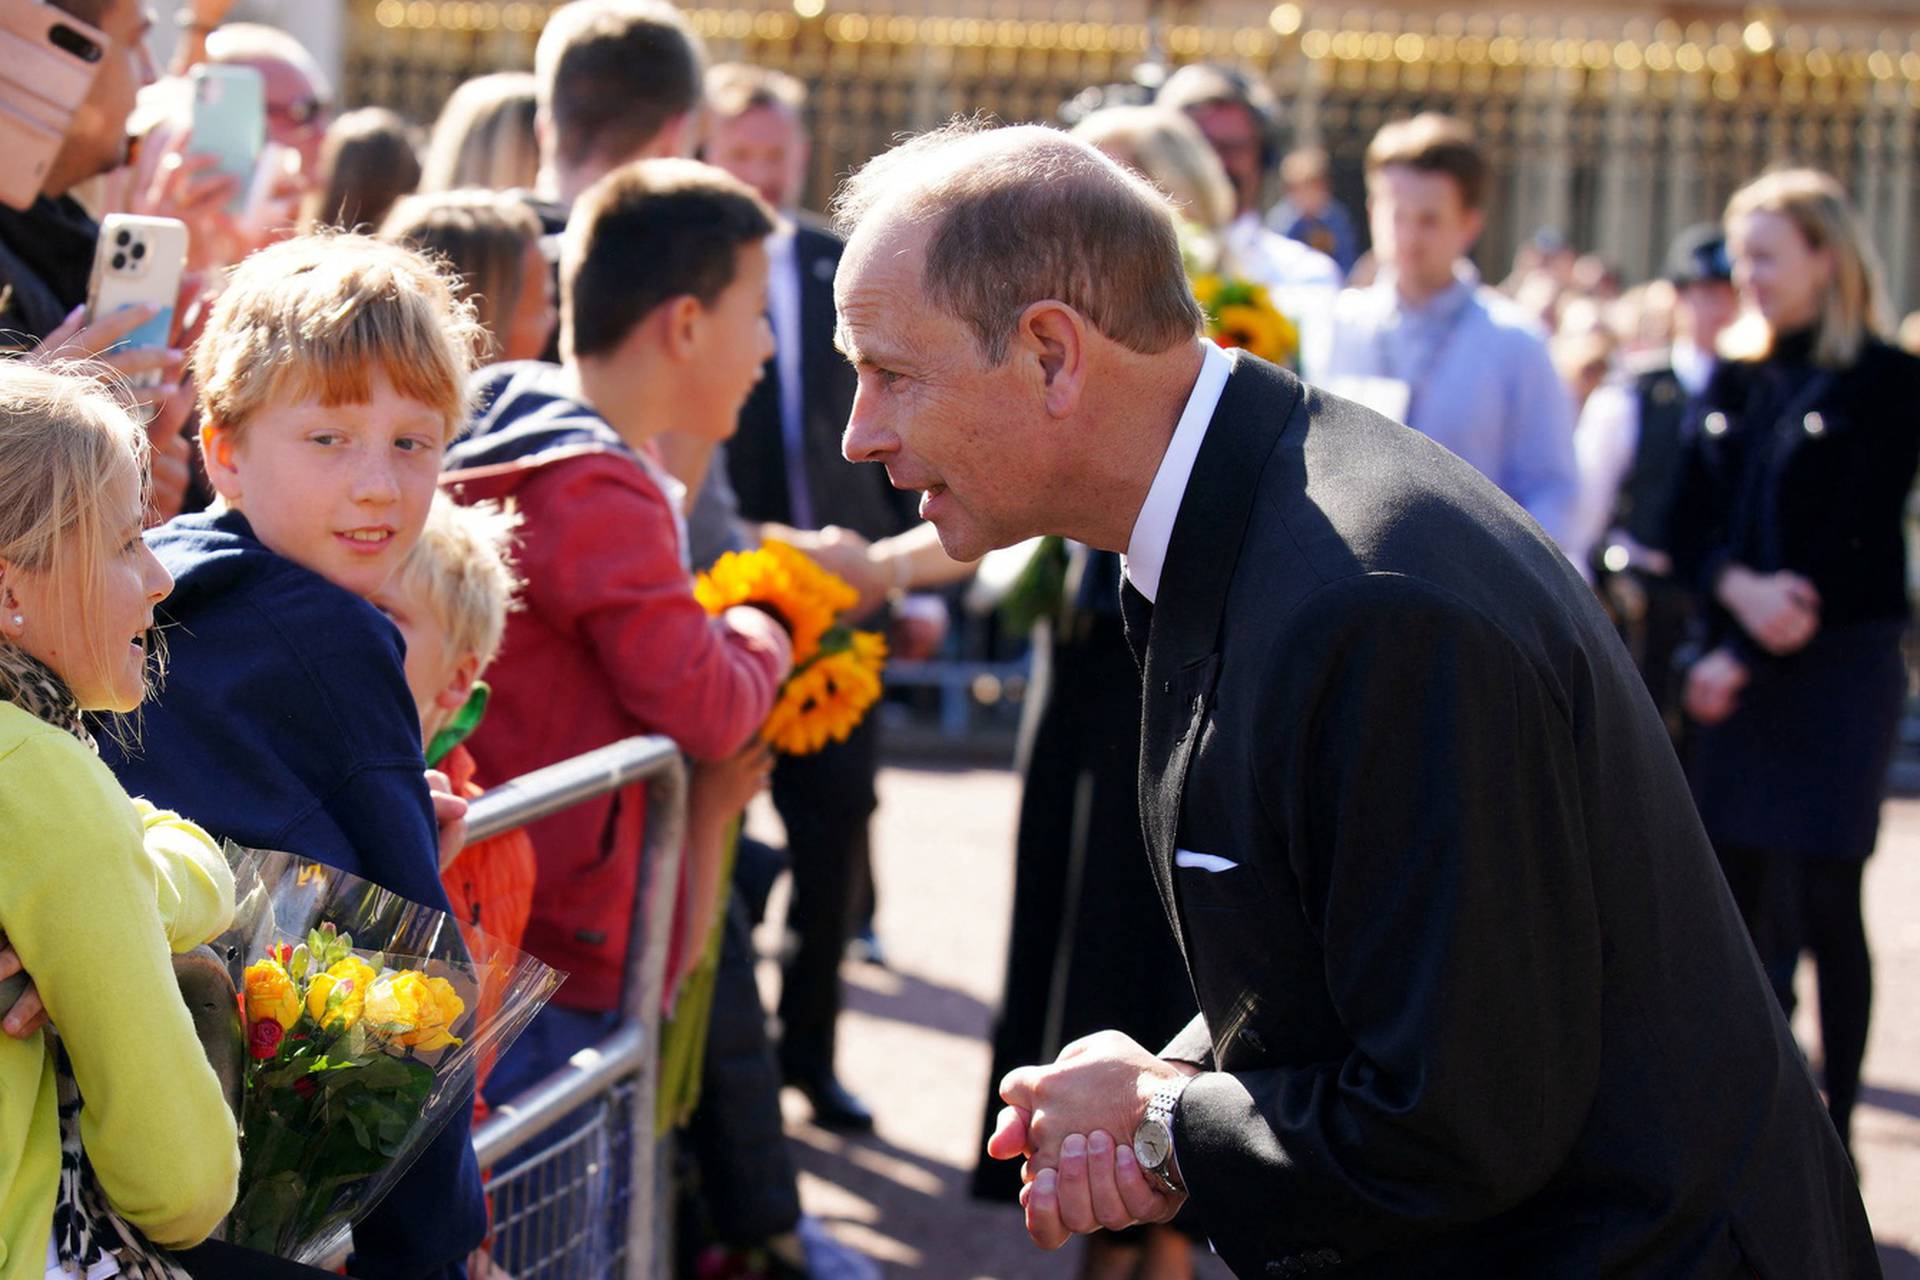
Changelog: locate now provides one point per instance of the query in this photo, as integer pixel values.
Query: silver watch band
(1164, 1106)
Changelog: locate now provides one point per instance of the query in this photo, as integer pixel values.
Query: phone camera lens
(139, 252)
(122, 238)
(119, 262)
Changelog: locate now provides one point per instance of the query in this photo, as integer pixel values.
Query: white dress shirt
(1147, 549)
(1608, 437)
(783, 312)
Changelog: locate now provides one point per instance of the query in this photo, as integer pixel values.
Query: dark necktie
(1136, 611)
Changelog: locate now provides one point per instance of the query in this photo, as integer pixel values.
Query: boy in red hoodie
(663, 293)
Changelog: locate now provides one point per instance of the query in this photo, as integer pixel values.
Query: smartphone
(47, 63)
(138, 261)
(229, 122)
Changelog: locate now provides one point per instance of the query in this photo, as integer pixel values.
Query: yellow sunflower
(821, 704)
(1242, 314)
(869, 649)
(1265, 333)
(783, 581)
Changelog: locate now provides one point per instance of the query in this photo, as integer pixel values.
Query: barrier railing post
(648, 942)
(632, 1052)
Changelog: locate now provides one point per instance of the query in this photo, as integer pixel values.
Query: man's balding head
(1019, 215)
(1020, 319)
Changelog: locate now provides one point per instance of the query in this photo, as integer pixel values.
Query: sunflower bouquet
(355, 1059)
(836, 669)
(1241, 314)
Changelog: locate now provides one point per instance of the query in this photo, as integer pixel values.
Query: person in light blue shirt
(1429, 345)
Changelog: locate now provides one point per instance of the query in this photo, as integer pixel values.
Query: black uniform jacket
(857, 497)
(1474, 998)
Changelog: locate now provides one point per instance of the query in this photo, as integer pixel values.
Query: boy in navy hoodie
(331, 377)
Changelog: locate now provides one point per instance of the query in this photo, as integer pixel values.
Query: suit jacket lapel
(1183, 644)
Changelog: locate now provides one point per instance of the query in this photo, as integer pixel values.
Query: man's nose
(865, 440)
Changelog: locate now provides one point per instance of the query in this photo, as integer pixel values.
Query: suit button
(1715, 424)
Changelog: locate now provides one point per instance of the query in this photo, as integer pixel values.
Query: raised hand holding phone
(48, 60)
(138, 262)
(229, 122)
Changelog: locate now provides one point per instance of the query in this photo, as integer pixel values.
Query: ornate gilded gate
(1615, 127)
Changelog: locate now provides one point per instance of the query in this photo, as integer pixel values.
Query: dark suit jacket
(1475, 1000)
(856, 497)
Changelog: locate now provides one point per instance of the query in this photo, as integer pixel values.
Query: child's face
(736, 341)
(89, 622)
(438, 678)
(341, 489)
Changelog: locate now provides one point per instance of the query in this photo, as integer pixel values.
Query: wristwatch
(1153, 1140)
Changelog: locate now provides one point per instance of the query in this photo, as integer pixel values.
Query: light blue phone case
(154, 333)
(229, 122)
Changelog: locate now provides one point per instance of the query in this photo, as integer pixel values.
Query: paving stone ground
(913, 1042)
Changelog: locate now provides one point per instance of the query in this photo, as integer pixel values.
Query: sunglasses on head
(300, 113)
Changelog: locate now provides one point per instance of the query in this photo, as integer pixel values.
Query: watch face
(1152, 1144)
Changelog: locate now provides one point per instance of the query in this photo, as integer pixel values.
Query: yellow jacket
(95, 890)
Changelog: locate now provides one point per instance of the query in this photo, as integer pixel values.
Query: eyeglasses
(299, 113)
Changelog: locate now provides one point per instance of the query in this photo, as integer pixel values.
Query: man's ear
(1055, 336)
(216, 453)
(683, 326)
(543, 132)
(1475, 224)
(459, 684)
(677, 137)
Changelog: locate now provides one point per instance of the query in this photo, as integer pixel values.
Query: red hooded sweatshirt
(608, 643)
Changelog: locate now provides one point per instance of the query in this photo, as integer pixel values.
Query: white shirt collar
(1153, 528)
(1692, 366)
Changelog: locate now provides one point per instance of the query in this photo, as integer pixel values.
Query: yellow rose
(357, 976)
(414, 1010)
(271, 994)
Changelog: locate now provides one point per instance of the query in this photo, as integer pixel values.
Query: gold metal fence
(1616, 129)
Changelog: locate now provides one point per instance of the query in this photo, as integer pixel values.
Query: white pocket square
(1211, 862)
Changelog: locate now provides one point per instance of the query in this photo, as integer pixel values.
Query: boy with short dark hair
(663, 283)
(331, 376)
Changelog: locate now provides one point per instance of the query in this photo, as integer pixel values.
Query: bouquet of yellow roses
(355, 1057)
(836, 669)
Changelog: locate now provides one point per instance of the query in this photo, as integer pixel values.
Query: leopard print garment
(85, 1227)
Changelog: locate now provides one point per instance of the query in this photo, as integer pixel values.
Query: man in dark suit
(1474, 998)
(786, 470)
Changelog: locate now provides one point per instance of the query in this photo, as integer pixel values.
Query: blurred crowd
(618, 364)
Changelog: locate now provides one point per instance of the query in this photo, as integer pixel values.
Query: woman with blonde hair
(1169, 150)
(484, 136)
(1789, 523)
(491, 239)
(108, 1187)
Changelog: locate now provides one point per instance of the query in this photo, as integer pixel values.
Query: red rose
(264, 1039)
(305, 1087)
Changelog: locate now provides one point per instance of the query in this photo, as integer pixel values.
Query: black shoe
(833, 1107)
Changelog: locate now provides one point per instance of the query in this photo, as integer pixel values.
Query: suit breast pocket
(1212, 882)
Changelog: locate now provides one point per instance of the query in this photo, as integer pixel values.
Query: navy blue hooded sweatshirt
(284, 722)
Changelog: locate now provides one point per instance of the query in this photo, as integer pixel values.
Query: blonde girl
(96, 889)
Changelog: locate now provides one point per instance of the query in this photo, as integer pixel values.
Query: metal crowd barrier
(573, 1169)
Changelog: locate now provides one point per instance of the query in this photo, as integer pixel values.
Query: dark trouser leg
(1763, 885)
(826, 802)
(745, 1171)
(1837, 935)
